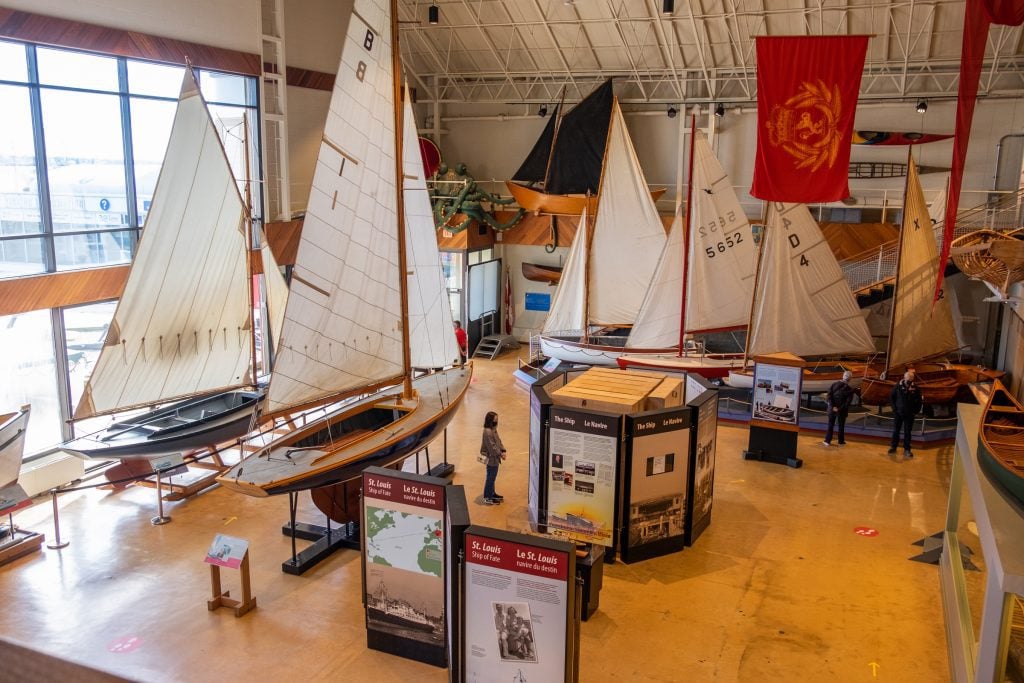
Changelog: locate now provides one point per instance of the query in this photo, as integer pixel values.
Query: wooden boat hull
(12, 445)
(376, 430)
(940, 383)
(537, 272)
(183, 426)
(559, 204)
(813, 381)
(709, 365)
(1001, 440)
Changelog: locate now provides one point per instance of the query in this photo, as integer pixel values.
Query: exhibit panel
(403, 564)
(656, 481)
(775, 409)
(520, 611)
(703, 441)
(457, 521)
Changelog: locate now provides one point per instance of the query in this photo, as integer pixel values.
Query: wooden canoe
(940, 383)
(558, 204)
(1001, 440)
(538, 272)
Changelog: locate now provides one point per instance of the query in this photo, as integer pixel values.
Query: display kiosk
(775, 409)
(703, 404)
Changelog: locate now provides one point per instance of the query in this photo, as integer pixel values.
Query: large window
(82, 141)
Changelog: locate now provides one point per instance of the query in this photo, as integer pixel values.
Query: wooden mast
(757, 281)
(554, 140)
(403, 267)
(686, 234)
(249, 236)
(600, 187)
(899, 258)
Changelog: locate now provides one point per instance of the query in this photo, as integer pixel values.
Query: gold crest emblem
(806, 125)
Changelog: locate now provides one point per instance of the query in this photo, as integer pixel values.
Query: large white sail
(343, 321)
(918, 328)
(183, 323)
(802, 302)
(276, 290)
(722, 261)
(431, 335)
(628, 233)
(12, 445)
(569, 304)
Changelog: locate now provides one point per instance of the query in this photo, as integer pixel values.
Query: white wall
(513, 256)
(230, 24)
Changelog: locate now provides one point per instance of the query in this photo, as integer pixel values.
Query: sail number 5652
(720, 247)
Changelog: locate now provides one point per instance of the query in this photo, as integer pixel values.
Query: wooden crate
(668, 394)
(612, 391)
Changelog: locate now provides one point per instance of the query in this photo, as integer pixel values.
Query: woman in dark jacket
(492, 448)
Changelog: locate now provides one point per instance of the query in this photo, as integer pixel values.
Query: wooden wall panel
(24, 294)
(284, 240)
(37, 28)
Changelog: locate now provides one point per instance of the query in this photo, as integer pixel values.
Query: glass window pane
(26, 352)
(151, 127)
(85, 160)
(13, 66)
(225, 88)
(19, 187)
(93, 249)
(21, 257)
(159, 80)
(76, 69)
(85, 328)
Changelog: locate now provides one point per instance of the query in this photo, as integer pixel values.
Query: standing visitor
(906, 403)
(840, 396)
(460, 337)
(492, 448)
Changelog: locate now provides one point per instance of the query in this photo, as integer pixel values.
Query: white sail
(183, 323)
(722, 261)
(343, 322)
(12, 445)
(803, 304)
(918, 329)
(431, 335)
(657, 324)
(569, 304)
(628, 233)
(276, 290)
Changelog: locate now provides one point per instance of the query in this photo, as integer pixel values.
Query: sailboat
(1001, 440)
(802, 302)
(183, 331)
(705, 278)
(606, 273)
(918, 330)
(12, 445)
(356, 322)
(566, 161)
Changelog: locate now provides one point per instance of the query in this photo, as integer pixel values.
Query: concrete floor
(779, 588)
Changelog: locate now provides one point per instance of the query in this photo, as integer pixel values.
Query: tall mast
(686, 234)
(554, 137)
(597, 204)
(757, 281)
(899, 258)
(403, 268)
(250, 240)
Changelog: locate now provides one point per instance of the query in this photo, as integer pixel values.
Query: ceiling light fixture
(433, 14)
(720, 110)
(668, 6)
(672, 111)
(543, 111)
(922, 107)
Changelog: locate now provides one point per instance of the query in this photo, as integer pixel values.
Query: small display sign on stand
(775, 409)
(232, 553)
(520, 616)
(404, 564)
(657, 469)
(583, 454)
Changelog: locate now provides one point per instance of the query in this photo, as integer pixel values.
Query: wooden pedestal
(223, 599)
(18, 543)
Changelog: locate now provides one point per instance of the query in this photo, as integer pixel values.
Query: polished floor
(780, 587)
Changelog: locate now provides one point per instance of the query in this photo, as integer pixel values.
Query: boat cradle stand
(326, 540)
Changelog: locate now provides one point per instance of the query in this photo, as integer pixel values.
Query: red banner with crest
(807, 89)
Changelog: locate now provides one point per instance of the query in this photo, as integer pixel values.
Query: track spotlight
(720, 110)
(543, 111)
(668, 6)
(672, 111)
(433, 15)
(922, 107)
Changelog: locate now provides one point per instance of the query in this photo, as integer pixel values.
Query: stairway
(492, 345)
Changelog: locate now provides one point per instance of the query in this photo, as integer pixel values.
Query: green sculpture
(460, 194)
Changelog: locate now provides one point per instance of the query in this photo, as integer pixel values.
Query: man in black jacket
(840, 396)
(906, 403)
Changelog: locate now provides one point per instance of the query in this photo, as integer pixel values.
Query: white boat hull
(580, 353)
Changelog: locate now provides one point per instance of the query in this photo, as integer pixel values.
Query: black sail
(536, 164)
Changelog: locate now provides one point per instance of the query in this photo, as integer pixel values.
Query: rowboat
(1001, 440)
(539, 272)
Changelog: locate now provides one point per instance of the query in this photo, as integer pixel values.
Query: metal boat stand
(326, 540)
(445, 469)
(160, 518)
(56, 543)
